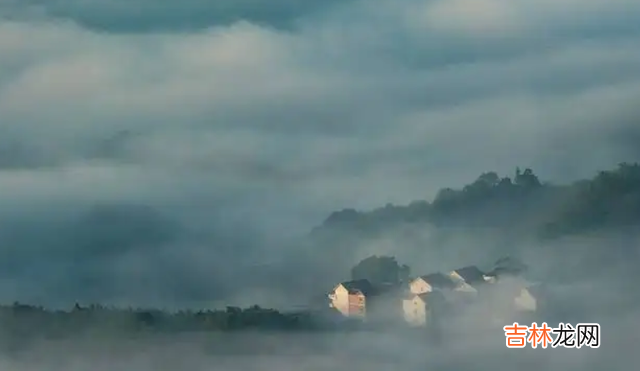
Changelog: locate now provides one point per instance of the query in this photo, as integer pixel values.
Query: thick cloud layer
(234, 131)
(149, 15)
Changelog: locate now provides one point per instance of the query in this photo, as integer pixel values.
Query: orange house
(350, 297)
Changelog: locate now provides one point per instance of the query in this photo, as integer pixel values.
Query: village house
(509, 299)
(467, 294)
(469, 278)
(526, 299)
(522, 295)
(430, 282)
(349, 297)
(363, 300)
(425, 308)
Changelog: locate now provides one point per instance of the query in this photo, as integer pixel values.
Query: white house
(423, 309)
(361, 299)
(526, 300)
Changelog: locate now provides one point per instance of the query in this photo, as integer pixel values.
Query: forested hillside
(581, 225)
(611, 198)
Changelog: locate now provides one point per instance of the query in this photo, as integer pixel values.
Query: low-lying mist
(582, 286)
(478, 350)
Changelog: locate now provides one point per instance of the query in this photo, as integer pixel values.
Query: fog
(357, 351)
(231, 135)
(586, 284)
(176, 154)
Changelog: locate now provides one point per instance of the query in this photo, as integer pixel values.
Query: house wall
(525, 301)
(350, 305)
(340, 300)
(415, 311)
(419, 286)
(357, 305)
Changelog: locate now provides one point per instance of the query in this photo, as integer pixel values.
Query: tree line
(23, 321)
(521, 202)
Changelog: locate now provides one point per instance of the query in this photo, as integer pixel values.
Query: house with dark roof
(526, 299)
(424, 309)
(349, 297)
(522, 295)
(430, 282)
(358, 298)
(468, 278)
(506, 301)
(495, 294)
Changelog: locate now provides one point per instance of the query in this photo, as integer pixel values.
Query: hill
(611, 198)
(586, 226)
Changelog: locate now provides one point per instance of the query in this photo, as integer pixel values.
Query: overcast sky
(272, 114)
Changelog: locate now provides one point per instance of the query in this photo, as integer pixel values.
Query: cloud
(522, 18)
(239, 125)
(154, 16)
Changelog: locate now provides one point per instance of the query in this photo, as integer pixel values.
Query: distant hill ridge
(610, 198)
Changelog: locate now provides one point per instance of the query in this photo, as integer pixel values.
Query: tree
(490, 178)
(527, 178)
(482, 186)
(380, 269)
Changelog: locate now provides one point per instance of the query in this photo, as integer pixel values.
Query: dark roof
(438, 280)
(470, 274)
(362, 286)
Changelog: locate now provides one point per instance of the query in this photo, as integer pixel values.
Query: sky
(149, 149)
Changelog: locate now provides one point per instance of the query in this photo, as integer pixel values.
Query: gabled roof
(471, 274)
(361, 286)
(438, 280)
